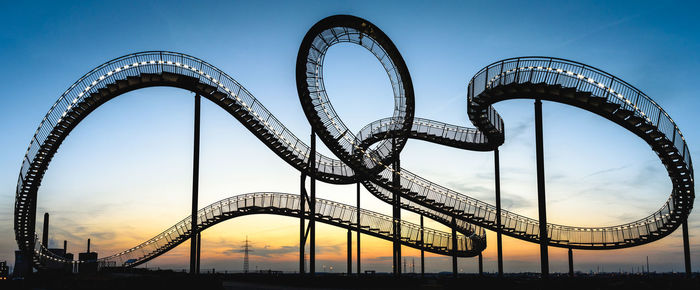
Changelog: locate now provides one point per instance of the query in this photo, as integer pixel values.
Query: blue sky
(124, 174)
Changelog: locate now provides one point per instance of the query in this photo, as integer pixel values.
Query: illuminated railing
(424, 196)
(434, 131)
(583, 78)
(330, 212)
(77, 99)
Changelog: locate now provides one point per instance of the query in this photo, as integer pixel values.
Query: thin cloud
(598, 29)
(268, 251)
(606, 171)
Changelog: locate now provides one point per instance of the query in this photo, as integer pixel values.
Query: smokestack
(647, 265)
(88, 246)
(65, 246)
(45, 237)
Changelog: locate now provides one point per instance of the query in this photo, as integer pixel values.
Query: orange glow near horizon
(275, 245)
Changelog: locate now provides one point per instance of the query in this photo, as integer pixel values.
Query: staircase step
(623, 113)
(609, 107)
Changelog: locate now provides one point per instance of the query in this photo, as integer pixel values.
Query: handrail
(331, 212)
(358, 161)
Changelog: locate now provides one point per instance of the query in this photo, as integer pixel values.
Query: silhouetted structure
(22, 265)
(194, 252)
(499, 225)
(541, 200)
(88, 261)
(571, 262)
(357, 229)
(334, 213)
(4, 270)
(45, 236)
(372, 156)
(246, 259)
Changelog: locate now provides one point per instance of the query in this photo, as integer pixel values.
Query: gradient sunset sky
(124, 174)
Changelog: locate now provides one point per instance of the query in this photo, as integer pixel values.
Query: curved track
(365, 156)
(329, 212)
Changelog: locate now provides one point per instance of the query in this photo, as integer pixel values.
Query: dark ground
(143, 279)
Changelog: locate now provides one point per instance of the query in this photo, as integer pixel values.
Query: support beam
(499, 239)
(195, 186)
(358, 229)
(541, 201)
(454, 246)
(571, 262)
(349, 250)
(31, 232)
(199, 251)
(312, 206)
(302, 209)
(45, 235)
(422, 251)
(481, 264)
(396, 199)
(686, 249)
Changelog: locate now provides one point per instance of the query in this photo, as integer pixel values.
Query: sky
(124, 174)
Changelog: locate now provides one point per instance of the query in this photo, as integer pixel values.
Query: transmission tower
(246, 249)
(246, 262)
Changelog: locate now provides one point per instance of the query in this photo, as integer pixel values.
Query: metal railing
(327, 211)
(584, 78)
(433, 198)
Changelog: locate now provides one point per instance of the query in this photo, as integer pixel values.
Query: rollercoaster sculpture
(371, 156)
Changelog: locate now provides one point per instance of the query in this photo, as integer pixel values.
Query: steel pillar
(481, 264)
(422, 252)
(499, 239)
(358, 229)
(199, 250)
(29, 249)
(396, 199)
(349, 250)
(195, 186)
(686, 249)
(302, 209)
(541, 202)
(571, 262)
(454, 246)
(312, 206)
(45, 235)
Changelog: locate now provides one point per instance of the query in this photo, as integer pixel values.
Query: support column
(199, 250)
(31, 232)
(499, 239)
(571, 262)
(312, 206)
(195, 186)
(454, 247)
(302, 209)
(396, 182)
(422, 252)
(349, 251)
(686, 249)
(359, 227)
(481, 264)
(45, 235)
(542, 205)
